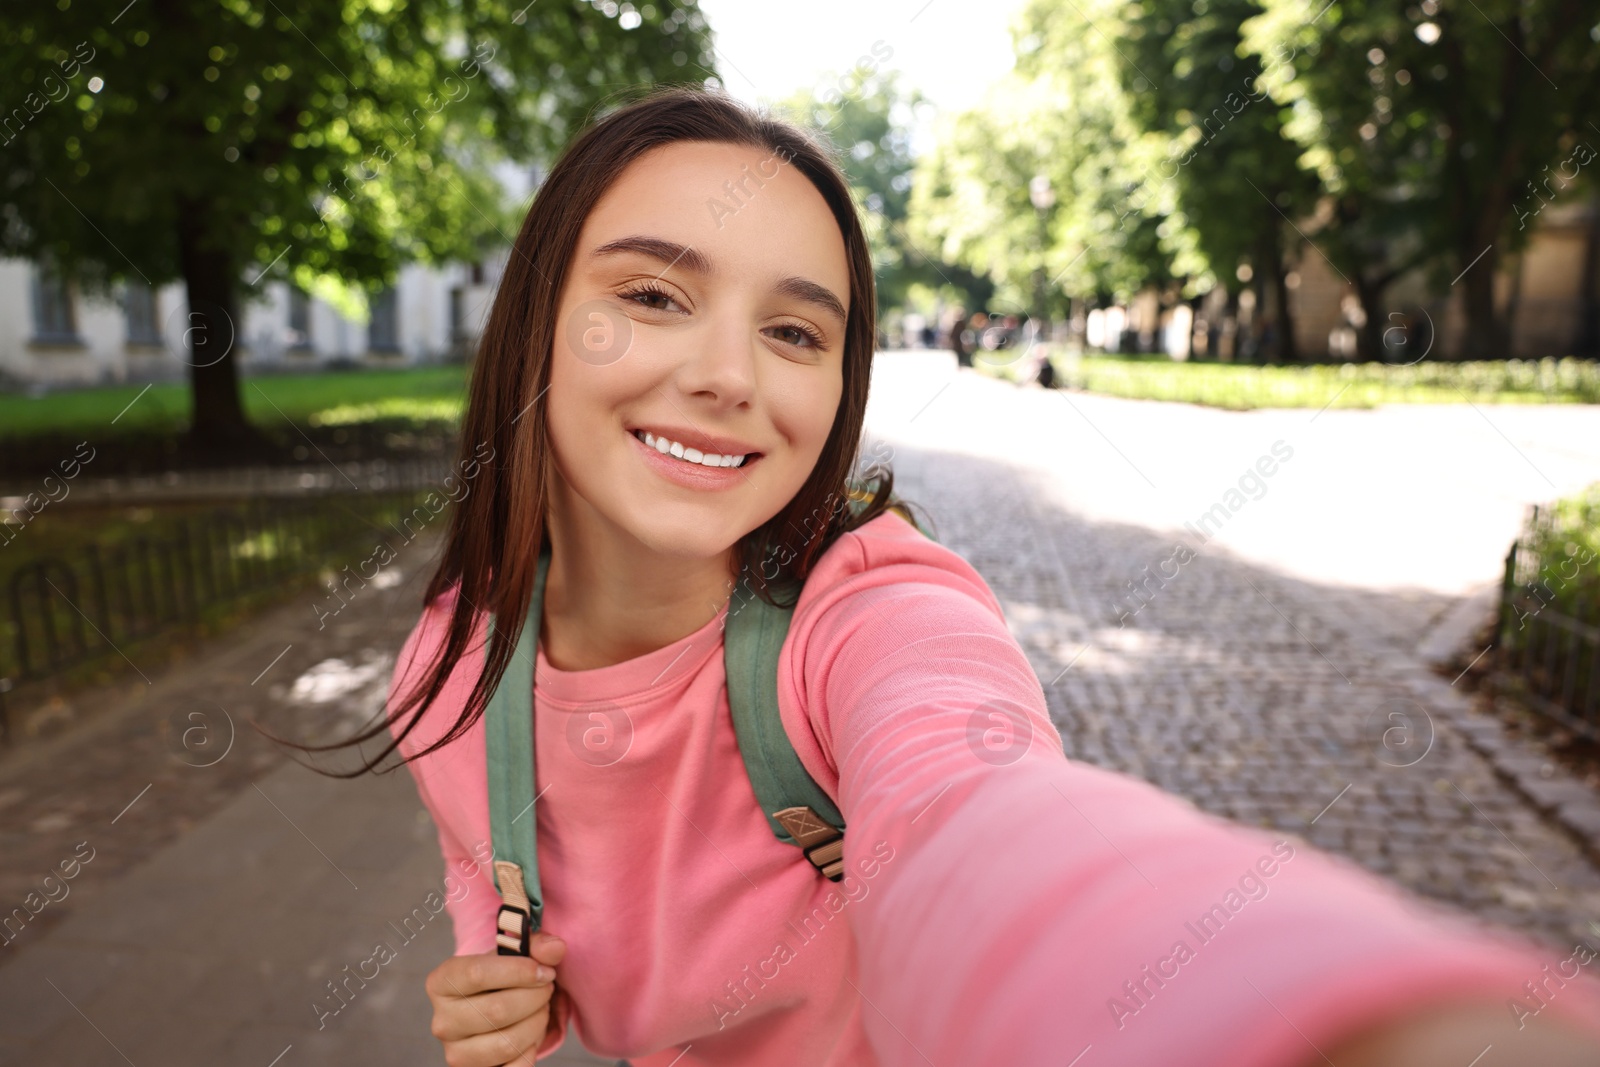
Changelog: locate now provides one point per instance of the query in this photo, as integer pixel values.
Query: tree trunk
(1485, 337)
(1508, 318)
(1587, 343)
(217, 421)
(1228, 335)
(1252, 349)
(1285, 351)
(1369, 339)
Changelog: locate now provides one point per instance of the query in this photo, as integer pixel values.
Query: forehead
(754, 216)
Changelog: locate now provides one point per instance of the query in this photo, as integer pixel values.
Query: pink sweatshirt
(1003, 904)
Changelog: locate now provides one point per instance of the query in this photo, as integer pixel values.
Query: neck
(609, 598)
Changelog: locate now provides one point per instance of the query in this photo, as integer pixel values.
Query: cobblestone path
(1257, 695)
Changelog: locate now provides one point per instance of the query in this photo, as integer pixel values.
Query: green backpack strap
(513, 824)
(798, 810)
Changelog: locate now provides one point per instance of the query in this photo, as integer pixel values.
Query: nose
(719, 371)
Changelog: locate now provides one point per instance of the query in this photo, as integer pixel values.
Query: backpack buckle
(822, 843)
(514, 923)
(513, 928)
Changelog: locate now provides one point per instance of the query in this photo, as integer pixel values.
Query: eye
(649, 292)
(800, 334)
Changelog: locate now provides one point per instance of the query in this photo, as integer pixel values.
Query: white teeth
(688, 455)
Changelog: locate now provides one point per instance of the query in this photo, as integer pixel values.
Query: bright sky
(952, 50)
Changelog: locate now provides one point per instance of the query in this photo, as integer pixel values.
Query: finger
(498, 1047)
(465, 976)
(527, 1059)
(547, 948)
(461, 1018)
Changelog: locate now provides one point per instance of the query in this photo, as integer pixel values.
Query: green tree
(310, 139)
(1058, 115)
(1237, 183)
(1429, 125)
(868, 117)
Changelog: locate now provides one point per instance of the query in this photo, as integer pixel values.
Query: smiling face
(704, 307)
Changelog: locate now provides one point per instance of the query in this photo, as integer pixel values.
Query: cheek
(803, 410)
(576, 407)
(585, 388)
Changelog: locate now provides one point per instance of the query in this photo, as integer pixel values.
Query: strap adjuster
(514, 924)
(823, 843)
(514, 928)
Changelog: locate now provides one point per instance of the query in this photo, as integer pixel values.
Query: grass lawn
(1241, 387)
(416, 395)
(437, 395)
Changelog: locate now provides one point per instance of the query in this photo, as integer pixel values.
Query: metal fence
(63, 612)
(221, 484)
(1549, 631)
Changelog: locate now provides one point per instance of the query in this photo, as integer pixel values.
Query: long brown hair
(497, 529)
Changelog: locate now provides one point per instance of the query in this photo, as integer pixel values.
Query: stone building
(52, 334)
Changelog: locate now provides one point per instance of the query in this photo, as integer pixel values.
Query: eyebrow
(672, 254)
(668, 252)
(812, 293)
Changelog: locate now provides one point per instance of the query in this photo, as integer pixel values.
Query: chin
(685, 540)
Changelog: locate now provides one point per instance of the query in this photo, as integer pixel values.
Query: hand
(490, 1010)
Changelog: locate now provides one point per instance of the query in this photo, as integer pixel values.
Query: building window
(139, 304)
(383, 333)
(299, 318)
(53, 319)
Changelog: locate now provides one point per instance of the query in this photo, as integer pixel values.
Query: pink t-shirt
(1003, 904)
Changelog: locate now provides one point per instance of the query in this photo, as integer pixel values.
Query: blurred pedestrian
(959, 338)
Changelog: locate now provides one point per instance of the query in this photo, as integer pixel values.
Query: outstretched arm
(1036, 909)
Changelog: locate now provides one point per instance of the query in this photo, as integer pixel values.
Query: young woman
(693, 277)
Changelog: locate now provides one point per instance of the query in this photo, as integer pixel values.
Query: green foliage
(1429, 125)
(869, 125)
(1220, 139)
(1185, 138)
(1060, 114)
(1563, 541)
(329, 138)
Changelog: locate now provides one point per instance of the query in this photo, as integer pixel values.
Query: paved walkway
(1272, 676)
(1261, 679)
(225, 886)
